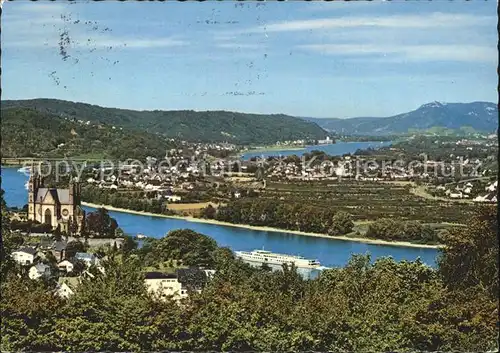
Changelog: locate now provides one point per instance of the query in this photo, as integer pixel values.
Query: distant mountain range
(203, 126)
(253, 129)
(435, 116)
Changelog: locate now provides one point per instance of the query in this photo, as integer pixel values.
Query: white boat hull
(276, 259)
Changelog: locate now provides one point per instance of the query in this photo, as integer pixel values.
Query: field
(190, 209)
(367, 201)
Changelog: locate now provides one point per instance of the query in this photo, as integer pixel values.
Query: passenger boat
(268, 257)
(141, 236)
(25, 170)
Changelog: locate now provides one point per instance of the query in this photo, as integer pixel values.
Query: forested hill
(204, 126)
(432, 117)
(29, 133)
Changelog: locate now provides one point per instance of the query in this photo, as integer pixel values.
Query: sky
(310, 59)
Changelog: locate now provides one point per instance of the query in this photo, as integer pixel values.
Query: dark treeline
(307, 218)
(396, 229)
(293, 216)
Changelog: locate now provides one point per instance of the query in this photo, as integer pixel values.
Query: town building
(57, 207)
(164, 285)
(38, 271)
(176, 285)
(24, 256)
(86, 258)
(67, 286)
(66, 266)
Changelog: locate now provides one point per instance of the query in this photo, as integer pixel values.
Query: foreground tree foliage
(365, 306)
(471, 256)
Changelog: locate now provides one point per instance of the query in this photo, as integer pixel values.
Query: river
(336, 149)
(330, 252)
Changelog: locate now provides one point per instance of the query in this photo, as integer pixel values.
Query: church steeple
(33, 184)
(74, 191)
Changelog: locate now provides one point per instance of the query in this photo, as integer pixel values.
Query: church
(57, 207)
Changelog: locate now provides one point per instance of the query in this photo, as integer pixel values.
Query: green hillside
(29, 133)
(206, 126)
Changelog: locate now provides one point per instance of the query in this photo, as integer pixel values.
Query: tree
(209, 212)
(470, 255)
(73, 247)
(6, 246)
(72, 226)
(57, 233)
(192, 248)
(341, 224)
(193, 279)
(28, 310)
(129, 244)
(78, 267)
(384, 228)
(100, 223)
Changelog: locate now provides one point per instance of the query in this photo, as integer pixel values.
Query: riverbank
(273, 148)
(266, 229)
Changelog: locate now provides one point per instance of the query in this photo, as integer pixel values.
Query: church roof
(63, 195)
(59, 195)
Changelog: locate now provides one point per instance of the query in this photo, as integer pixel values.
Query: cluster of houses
(291, 143)
(87, 123)
(198, 149)
(491, 194)
(68, 270)
(370, 170)
(345, 167)
(160, 285)
(168, 180)
(468, 190)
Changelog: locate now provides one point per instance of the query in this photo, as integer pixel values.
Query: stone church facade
(57, 207)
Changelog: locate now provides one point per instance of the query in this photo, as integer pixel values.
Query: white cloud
(240, 46)
(137, 43)
(401, 53)
(40, 25)
(434, 20)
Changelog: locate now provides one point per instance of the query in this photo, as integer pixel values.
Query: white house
(39, 270)
(163, 285)
(173, 198)
(64, 291)
(65, 265)
(67, 286)
(492, 187)
(24, 256)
